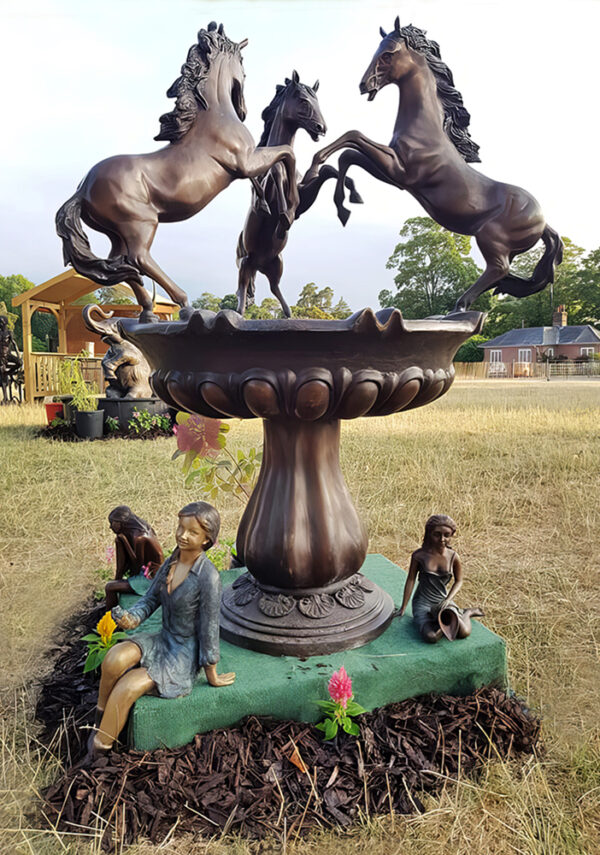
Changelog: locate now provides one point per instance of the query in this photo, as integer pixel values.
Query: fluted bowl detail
(222, 366)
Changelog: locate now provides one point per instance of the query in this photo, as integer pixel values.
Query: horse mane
(188, 88)
(268, 114)
(456, 116)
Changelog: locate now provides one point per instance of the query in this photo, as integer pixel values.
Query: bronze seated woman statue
(435, 564)
(166, 663)
(137, 551)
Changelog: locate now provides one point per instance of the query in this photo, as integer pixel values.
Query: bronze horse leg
(138, 236)
(354, 158)
(274, 271)
(309, 192)
(383, 157)
(246, 278)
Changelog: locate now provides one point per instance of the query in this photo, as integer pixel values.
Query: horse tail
(543, 274)
(77, 251)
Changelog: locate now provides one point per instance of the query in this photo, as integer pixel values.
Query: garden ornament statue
(166, 663)
(429, 155)
(124, 366)
(138, 554)
(435, 565)
(10, 360)
(127, 196)
(262, 241)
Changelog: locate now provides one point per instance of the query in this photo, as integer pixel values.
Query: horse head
(392, 60)
(296, 105)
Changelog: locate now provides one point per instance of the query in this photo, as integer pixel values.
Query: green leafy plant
(340, 709)
(112, 424)
(100, 641)
(72, 382)
(200, 441)
(144, 422)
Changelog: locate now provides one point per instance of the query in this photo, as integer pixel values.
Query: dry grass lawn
(517, 464)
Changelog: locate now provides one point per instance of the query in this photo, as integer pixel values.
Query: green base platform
(393, 667)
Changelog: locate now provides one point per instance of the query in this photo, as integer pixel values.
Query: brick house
(535, 344)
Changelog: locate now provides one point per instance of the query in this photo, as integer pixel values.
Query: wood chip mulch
(264, 777)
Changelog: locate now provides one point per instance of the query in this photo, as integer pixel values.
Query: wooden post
(62, 327)
(28, 368)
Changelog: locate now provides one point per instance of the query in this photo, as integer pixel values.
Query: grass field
(517, 465)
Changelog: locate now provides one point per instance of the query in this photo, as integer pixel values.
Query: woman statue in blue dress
(435, 565)
(188, 588)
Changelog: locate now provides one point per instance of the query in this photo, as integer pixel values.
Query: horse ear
(316, 86)
(383, 32)
(287, 81)
(397, 24)
(279, 88)
(295, 76)
(212, 26)
(221, 31)
(243, 44)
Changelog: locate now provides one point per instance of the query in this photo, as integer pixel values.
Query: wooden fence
(44, 372)
(533, 370)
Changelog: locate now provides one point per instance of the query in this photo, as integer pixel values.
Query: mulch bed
(66, 433)
(250, 778)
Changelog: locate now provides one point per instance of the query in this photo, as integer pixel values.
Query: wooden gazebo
(58, 296)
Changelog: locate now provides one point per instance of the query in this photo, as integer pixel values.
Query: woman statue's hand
(123, 619)
(215, 679)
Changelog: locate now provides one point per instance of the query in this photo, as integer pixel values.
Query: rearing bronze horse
(127, 196)
(428, 156)
(262, 241)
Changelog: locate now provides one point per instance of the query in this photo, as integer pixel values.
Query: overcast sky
(85, 80)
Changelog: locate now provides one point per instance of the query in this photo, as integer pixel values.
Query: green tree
(588, 289)
(267, 311)
(207, 301)
(470, 350)
(11, 286)
(311, 297)
(229, 301)
(434, 269)
(341, 309)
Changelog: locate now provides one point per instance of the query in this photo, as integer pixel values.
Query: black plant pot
(89, 425)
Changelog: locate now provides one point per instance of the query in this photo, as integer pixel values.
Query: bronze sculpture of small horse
(127, 196)
(429, 155)
(262, 241)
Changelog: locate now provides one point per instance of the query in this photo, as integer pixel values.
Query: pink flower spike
(109, 554)
(175, 429)
(340, 687)
(146, 570)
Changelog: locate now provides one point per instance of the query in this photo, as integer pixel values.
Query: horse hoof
(356, 198)
(343, 216)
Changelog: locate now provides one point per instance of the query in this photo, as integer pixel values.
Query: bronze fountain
(300, 538)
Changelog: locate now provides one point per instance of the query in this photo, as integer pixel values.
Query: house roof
(545, 336)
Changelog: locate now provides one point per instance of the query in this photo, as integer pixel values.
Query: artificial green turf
(395, 666)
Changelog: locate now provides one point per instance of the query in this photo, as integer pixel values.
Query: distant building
(537, 344)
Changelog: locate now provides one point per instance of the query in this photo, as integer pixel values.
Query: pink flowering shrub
(208, 465)
(340, 709)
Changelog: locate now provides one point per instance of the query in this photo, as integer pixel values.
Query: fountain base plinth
(304, 622)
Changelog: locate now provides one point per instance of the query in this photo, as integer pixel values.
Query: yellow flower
(105, 628)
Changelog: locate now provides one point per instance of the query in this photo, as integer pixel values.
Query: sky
(81, 81)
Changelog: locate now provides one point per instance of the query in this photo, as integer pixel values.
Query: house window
(495, 356)
(587, 351)
(524, 354)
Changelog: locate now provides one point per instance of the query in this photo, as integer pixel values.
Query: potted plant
(89, 420)
(54, 410)
(68, 373)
